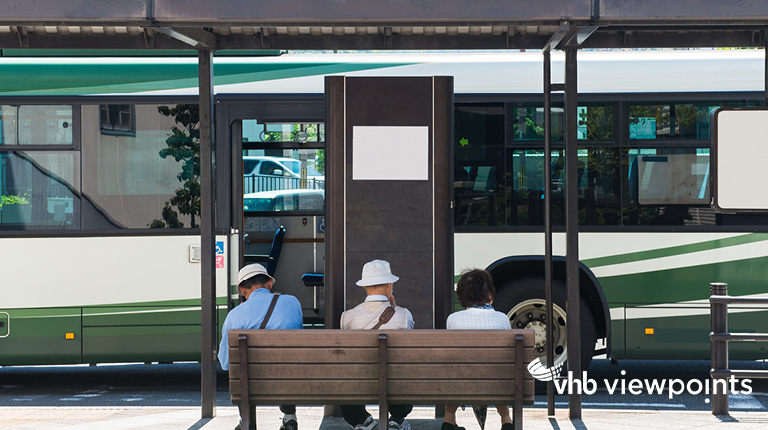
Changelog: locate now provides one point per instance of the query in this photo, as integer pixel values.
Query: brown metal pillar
(548, 224)
(207, 239)
(572, 227)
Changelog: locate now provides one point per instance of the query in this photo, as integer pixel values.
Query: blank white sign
(741, 151)
(390, 153)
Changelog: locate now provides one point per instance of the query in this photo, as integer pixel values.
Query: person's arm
(224, 346)
(410, 319)
(298, 314)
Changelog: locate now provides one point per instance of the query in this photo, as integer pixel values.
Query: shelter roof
(379, 24)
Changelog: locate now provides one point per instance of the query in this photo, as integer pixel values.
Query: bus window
(598, 186)
(479, 165)
(35, 125)
(39, 191)
(667, 186)
(144, 170)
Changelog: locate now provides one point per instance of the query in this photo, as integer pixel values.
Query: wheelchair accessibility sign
(220, 255)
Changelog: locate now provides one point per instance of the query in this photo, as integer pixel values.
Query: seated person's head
(377, 278)
(253, 277)
(475, 288)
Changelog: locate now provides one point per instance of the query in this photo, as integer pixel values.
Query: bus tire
(523, 300)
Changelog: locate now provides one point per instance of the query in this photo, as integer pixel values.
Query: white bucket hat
(376, 272)
(250, 271)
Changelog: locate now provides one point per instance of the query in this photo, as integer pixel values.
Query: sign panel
(739, 159)
(390, 153)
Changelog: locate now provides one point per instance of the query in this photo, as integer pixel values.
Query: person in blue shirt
(255, 285)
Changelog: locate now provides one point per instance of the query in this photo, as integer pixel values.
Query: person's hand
(391, 299)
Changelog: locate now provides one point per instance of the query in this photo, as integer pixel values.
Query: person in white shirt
(379, 284)
(476, 292)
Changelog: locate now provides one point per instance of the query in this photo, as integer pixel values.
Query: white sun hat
(250, 271)
(376, 272)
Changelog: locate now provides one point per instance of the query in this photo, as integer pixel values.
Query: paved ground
(311, 418)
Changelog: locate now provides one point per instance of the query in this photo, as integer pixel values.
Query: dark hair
(475, 288)
(254, 282)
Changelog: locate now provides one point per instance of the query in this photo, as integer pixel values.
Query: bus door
(283, 187)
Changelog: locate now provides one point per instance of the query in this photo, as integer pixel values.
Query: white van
(264, 173)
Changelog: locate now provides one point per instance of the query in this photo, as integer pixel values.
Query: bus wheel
(523, 300)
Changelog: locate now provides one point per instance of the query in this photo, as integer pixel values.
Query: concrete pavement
(311, 418)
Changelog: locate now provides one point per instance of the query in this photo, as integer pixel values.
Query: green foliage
(599, 122)
(320, 165)
(184, 146)
(14, 200)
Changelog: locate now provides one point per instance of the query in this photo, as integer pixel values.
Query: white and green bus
(99, 234)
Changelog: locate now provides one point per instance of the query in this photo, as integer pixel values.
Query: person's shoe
(289, 425)
(449, 426)
(393, 425)
(508, 426)
(368, 424)
(239, 426)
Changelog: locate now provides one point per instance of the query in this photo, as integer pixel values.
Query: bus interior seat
(313, 279)
(274, 253)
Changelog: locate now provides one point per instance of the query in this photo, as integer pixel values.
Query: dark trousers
(356, 414)
(286, 409)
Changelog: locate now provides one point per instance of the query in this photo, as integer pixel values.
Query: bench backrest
(342, 366)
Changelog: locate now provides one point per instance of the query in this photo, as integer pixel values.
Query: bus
(99, 170)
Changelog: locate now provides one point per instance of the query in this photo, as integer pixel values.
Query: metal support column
(572, 227)
(207, 239)
(765, 68)
(548, 224)
(719, 324)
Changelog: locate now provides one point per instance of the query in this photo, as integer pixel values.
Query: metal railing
(256, 183)
(718, 309)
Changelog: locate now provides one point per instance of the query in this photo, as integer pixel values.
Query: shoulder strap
(385, 317)
(275, 296)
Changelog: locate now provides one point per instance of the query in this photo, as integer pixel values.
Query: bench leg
(245, 395)
(517, 411)
(383, 412)
(247, 417)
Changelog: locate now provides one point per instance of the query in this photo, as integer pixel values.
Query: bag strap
(275, 296)
(385, 317)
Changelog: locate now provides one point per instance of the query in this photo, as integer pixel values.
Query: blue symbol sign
(321, 224)
(219, 248)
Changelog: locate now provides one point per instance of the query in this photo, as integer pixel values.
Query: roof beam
(192, 36)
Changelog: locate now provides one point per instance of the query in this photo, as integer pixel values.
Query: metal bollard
(719, 348)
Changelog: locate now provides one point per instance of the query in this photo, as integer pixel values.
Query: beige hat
(376, 272)
(250, 271)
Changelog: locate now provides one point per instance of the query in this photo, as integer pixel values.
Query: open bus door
(280, 169)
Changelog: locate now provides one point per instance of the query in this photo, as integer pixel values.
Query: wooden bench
(420, 367)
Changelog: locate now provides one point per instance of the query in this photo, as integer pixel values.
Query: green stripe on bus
(675, 250)
(686, 283)
(74, 79)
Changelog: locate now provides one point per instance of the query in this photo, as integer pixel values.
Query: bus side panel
(674, 304)
(137, 298)
(40, 336)
(142, 333)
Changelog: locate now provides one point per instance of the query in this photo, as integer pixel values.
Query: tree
(184, 146)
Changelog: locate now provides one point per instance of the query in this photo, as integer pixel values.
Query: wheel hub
(539, 333)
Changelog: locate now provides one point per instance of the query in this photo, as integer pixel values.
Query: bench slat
(417, 388)
(313, 355)
(370, 355)
(362, 338)
(303, 399)
(370, 371)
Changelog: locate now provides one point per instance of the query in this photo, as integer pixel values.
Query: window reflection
(39, 190)
(479, 165)
(598, 187)
(283, 180)
(145, 178)
(35, 125)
